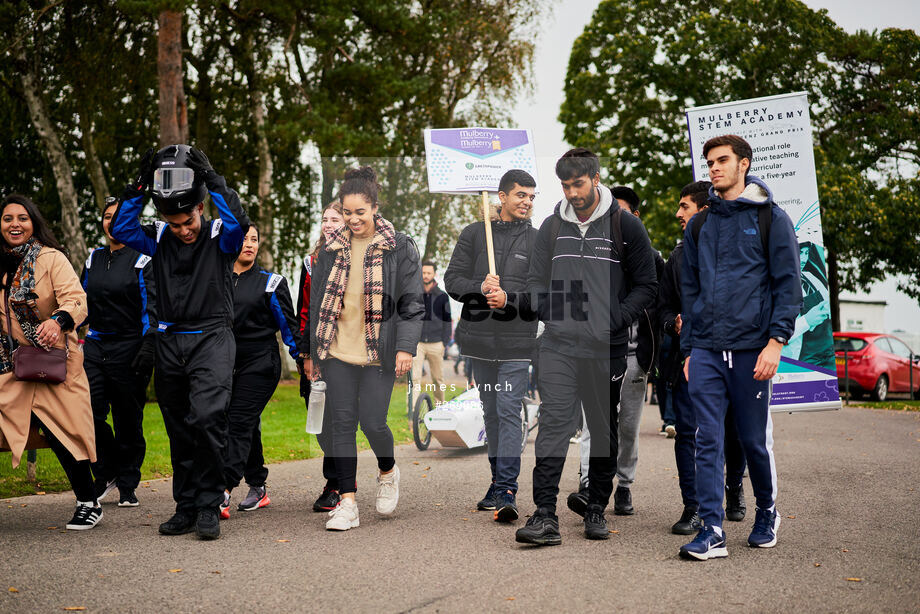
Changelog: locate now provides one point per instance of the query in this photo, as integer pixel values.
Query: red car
(878, 364)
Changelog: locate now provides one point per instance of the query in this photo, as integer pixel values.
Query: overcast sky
(540, 109)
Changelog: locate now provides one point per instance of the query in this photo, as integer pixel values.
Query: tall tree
(173, 103)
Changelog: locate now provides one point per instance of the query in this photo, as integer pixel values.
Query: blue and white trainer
(763, 535)
(706, 545)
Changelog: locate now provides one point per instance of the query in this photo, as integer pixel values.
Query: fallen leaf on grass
(854, 579)
(13, 590)
(175, 570)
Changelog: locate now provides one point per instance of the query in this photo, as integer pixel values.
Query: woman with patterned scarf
(366, 314)
(44, 297)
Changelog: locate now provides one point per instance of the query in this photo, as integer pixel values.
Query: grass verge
(283, 439)
(893, 404)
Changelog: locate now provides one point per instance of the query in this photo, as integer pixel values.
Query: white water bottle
(316, 406)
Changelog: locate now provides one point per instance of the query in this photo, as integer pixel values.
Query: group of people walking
(186, 298)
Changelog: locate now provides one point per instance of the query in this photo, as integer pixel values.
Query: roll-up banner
(779, 131)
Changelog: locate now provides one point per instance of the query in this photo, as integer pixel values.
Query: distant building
(862, 315)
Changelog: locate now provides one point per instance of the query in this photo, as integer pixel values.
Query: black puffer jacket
(403, 307)
(508, 333)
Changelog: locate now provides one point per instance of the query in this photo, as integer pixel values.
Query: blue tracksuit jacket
(735, 297)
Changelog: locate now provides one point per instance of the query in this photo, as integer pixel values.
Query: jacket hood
(567, 212)
(755, 194)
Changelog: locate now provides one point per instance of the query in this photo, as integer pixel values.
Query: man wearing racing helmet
(192, 265)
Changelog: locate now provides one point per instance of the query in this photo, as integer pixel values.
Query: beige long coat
(64, 408)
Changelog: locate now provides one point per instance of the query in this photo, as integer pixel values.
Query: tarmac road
(849, 495)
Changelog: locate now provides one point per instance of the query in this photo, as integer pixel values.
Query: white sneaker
(387, 491)
(344, 516)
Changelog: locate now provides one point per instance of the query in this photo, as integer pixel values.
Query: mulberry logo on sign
(463, 160)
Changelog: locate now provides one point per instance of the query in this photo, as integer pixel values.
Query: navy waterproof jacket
(735, 297)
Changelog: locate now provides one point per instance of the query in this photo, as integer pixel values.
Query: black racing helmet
(175, 188)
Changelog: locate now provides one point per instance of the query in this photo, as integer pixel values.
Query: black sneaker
(180, 524)
(327, 501)
(541, 529)
(487, 502)
(595, 524)
(578, 501)
(127, 498)
(86, 516)
(505, 509)
(735, 509)
(622, 502)
(689, 522)
(208, 523)
(103, 488)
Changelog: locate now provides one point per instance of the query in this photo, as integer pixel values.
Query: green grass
(895, 404)
(283, 439)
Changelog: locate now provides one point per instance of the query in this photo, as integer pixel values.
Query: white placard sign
(779, 131)
(465, 160)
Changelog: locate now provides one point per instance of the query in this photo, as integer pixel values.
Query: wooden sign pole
(486, 216)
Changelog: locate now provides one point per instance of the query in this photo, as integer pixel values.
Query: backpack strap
(616, 233)
(697, 223)
(764, 220)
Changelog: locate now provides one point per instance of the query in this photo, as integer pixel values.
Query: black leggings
(78, 472)
(358, 394)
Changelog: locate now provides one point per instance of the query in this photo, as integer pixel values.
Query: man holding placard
(592, 273)
(741, 294)
(497, 330)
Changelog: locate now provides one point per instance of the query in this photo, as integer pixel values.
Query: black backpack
(764, 219)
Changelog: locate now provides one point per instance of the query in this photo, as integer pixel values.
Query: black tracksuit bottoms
(114, 384)
(358, 395)
(256, 374)
(193, 380)
(597, 383)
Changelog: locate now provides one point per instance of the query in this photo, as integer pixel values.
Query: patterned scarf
(334, 293)
(22, 301)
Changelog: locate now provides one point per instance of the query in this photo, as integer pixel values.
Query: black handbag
(36, 364)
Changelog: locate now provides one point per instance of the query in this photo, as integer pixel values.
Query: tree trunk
(264, 183)
(93, 165)
(173, 104)
(71, 232)
(834, 288)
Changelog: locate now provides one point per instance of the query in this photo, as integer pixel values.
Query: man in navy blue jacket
(740, 302)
